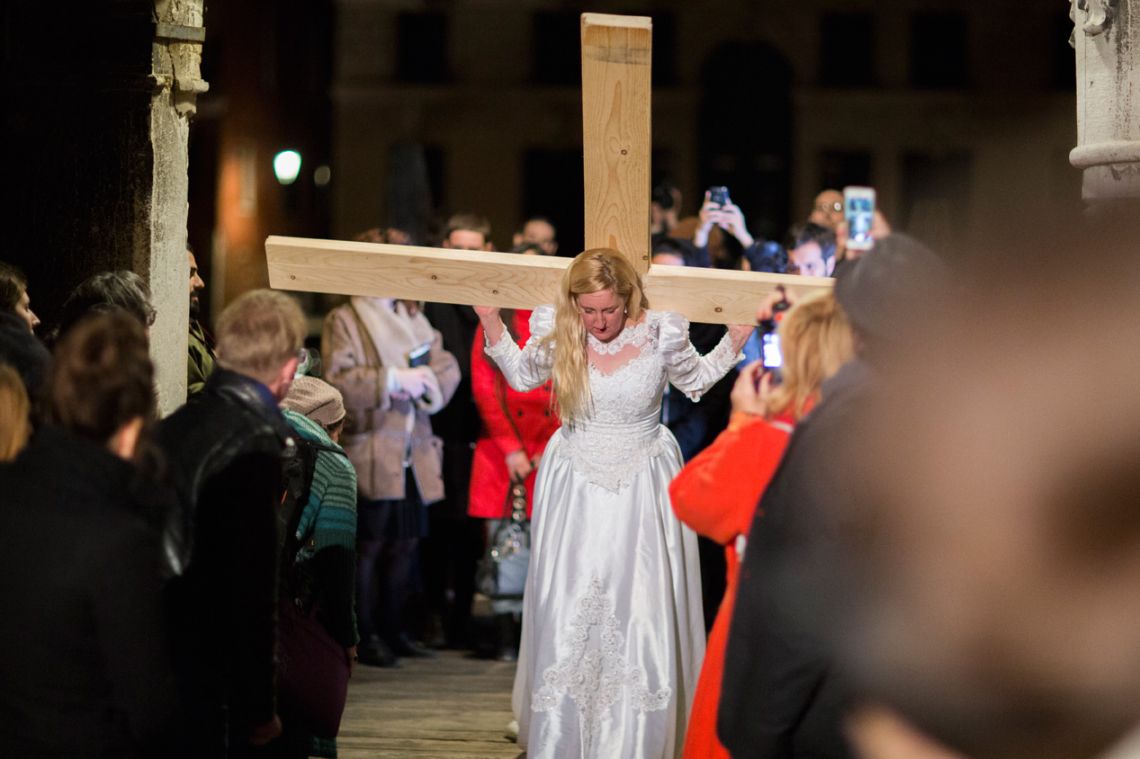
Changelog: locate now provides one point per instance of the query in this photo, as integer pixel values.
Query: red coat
(716, 495)
(530, 425)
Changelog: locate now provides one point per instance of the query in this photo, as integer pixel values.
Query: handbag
(312, 671)
(501, 575)
(312, 667)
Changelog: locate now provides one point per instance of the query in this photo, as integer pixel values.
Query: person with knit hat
(325, 562)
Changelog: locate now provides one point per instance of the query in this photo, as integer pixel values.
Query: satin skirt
(613, 629)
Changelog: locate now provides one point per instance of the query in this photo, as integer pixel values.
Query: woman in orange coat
(717, 492)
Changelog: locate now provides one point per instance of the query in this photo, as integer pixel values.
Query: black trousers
(388, 532)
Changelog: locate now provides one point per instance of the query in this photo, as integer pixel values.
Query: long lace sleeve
(688, 371)
(528, 367)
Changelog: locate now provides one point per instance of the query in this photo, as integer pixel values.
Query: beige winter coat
(376, 436)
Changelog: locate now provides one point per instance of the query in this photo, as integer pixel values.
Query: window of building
(847, 50)
(664, 50)
(557, 50)
(553, 186)
(939, 50)
(936, 196)
(840, 168)
(421, 48)
(556, 57)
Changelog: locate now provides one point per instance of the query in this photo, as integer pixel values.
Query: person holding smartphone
(388, 362)
(862, 225)
(716, 493)
(719, 212)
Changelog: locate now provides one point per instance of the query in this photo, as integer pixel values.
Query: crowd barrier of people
(803, 537)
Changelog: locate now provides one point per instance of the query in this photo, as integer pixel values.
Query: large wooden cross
(616, 86)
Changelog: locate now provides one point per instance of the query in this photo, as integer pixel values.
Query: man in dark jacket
(226, 450)
(782, 696)
(200, 352)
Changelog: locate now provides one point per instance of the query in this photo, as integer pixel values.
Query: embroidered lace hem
(595, 674)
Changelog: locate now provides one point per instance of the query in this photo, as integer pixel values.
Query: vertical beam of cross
(617, 83)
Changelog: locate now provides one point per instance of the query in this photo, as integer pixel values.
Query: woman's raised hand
(492, 324)
(767, 308)
(740, 334)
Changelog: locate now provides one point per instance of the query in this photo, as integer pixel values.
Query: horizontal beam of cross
(508, 280)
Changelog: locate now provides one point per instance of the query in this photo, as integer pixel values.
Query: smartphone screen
(420, 356)
(859, 210)
(770, 350)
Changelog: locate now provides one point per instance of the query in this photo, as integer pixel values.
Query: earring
(625, 311)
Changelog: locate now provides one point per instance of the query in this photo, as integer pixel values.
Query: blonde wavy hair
(591, 271)
(816, 340)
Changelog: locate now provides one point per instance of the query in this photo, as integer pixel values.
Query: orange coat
(716, 495)
(529, 427)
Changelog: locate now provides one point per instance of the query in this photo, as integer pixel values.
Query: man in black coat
(782, 696)
(226, 449)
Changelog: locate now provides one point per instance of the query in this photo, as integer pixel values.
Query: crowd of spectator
(176, 586)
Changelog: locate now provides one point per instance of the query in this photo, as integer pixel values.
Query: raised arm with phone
(719, 210)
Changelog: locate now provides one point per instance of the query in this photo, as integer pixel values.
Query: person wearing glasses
(827, 209)
(105, 291)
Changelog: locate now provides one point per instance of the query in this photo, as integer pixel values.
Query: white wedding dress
(613, 631)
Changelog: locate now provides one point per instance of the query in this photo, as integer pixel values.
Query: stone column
(177, 58)
(1107, 42)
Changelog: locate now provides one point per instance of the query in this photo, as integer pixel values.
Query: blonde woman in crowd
(716, 493)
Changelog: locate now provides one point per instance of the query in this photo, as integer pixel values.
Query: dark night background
(413, 110)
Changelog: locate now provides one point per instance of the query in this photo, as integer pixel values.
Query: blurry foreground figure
(83, 655)
(995, 562)
(783, 695)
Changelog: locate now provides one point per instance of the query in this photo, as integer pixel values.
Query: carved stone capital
(1097, 15)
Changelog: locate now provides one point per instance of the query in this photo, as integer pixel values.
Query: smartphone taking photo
(719, 196)
(859, 211)
(771, 356)
(420, 356)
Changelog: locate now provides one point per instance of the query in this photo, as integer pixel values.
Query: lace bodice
(620, 430)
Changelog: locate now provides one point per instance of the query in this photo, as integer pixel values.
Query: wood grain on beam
(720, 296)
(616, 86)
(436, 275)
